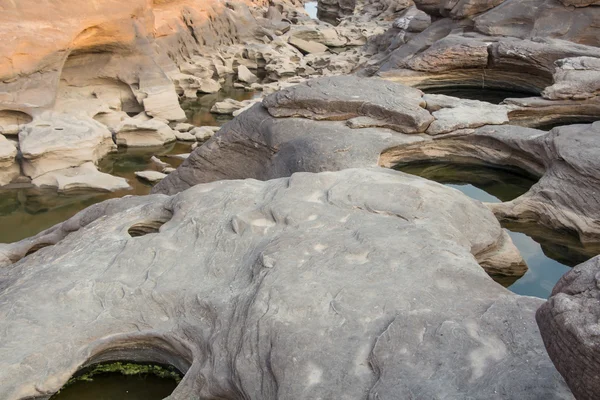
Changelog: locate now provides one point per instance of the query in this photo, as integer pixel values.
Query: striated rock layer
(364, 282)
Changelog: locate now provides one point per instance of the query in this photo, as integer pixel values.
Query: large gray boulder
(569, 326)
(343, 97)
(365, 283)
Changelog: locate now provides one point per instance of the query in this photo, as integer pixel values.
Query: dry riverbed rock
(364, 282)
(569, 326)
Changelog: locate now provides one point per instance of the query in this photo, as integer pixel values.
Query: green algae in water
(121, 380)
(548, 254)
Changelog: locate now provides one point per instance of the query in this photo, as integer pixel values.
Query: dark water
(116, 386)
(548, 254)
(198, 111)
(494, 96)
(26, 211)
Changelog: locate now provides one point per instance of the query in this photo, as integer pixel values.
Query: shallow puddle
(547, 254)
(494, 96)
(116, 386)
(26, 211)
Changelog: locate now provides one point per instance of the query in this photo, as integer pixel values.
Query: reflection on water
(547, 254)
(494, 96)
(26, 210)
(198, 111)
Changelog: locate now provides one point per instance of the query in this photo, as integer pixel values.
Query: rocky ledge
(270, 140)
(310, 286)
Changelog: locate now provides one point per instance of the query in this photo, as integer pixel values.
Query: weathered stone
(139, 133)
(183, 127)
(202, 133)
(228, 269)
(9, 168)
(344, 97)
(244, 75)
(57, 141)
(452, 114)
(575, 78)
(229, 106)
(84, 177)
(150, 176)
(185, 136)
(568, 323)
(451, 52)
(307, 47)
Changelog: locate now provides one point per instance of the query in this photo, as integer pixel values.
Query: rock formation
(351, 282)
(569, 326)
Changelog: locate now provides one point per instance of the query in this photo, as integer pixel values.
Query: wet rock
(150, 176)
(9, 168)
(82, 178)
(228, 268)
(57, 141)
(244, 75)
(158, 162)
(307, 47)
(139, 133)
(569, 328)
(344, 97)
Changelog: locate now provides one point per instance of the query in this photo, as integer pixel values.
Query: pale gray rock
(183, 127)
(58, 141)
(307, 47)
(158, 162)
(568, 323)
(150, 176)
(343, 97)
(452, 114)
(245, 75)
(575, 78)
(451, 52)
(229, 106)
(134, 132)
(361, 282)
(202, 133)
(83, 178)
(184, 136)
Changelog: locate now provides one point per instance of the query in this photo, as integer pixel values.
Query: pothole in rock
(121, 380)
(494, 96)
(28, 210)
(547, 254)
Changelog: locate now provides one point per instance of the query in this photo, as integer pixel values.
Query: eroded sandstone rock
(301, 287)
(82, 178)
(9, 168)
(57, 141)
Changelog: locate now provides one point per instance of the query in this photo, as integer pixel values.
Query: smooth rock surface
(144, 133)
(150, 176)
(84, 177)
(303, 287)
(57, 141)
(343, 97)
